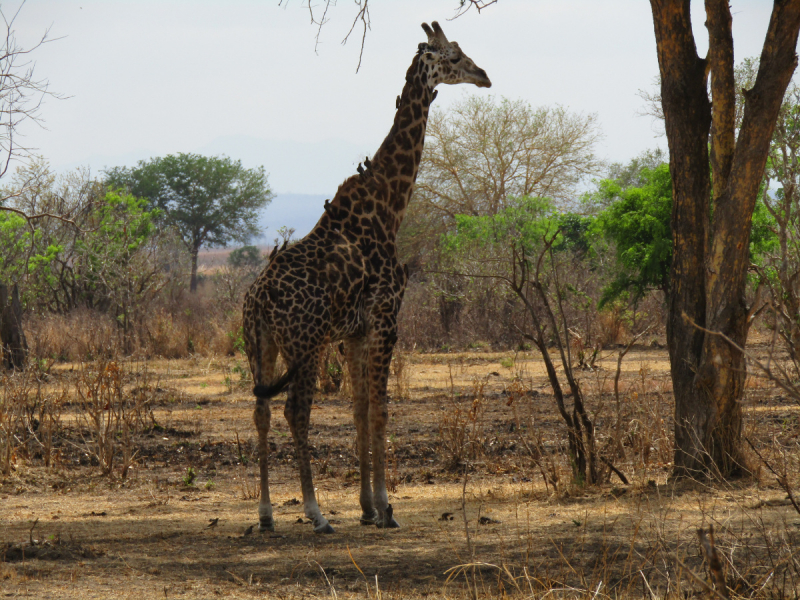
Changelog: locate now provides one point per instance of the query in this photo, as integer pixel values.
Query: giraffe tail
(276, 387)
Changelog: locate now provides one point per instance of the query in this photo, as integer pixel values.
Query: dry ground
(147, 536)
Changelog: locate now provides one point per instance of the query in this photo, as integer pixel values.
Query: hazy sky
(147, 78)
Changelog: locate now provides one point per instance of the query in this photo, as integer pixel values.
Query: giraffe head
(446, 62)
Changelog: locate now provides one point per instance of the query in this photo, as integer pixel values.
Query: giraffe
(343, 282)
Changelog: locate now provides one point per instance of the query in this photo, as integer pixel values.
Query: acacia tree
(711, 237)
(211, 201)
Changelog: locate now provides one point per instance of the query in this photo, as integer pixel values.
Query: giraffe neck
(398, 158)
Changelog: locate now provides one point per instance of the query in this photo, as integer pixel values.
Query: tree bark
(711, 249)
(12, 337)
(193, 281)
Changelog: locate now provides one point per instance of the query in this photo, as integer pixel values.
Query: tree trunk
(711, 255)
(193, 282)
(12, 337)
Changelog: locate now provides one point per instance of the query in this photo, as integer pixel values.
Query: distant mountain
(294, 167)
(299, 211)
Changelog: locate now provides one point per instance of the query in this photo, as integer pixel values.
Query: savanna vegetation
(594, 394)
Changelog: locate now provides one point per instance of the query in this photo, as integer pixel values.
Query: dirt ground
(478, 524)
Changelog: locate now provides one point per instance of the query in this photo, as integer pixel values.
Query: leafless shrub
(462, 431)
(16, 388)
(110, 415)
(99, 391)
(547, 456)
(30, 416)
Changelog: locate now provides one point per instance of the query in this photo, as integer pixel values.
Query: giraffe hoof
(387, 522)
(264, 526)
(324, 529)
(371, 519)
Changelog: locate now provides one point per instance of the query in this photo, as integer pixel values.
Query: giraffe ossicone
(343, 281)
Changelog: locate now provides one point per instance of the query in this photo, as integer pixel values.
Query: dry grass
(515, 526)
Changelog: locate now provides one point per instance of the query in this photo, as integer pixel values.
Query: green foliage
(119, 225)
(237, 337)
(525, 221)
(246, 257)
(575, 233)
(189, 477)
(763, 238)
(210, 200)
(637, 220)
(18, 254)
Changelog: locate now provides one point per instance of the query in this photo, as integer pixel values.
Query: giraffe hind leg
(262, 351)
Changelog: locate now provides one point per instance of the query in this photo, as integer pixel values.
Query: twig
(783, 382)
(363, 15)
(355, 564)
(617, 472)
(465, 5)
(649, 589)
(714, 563)
(697, 578)
(782, 479)
(328, 581)
(30, 533)
(464, 511)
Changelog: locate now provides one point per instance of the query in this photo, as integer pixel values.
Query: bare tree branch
(363, 16)
(320, 20)
(21, 98)
(465, 5)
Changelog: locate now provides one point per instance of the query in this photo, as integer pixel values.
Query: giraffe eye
(455, 60)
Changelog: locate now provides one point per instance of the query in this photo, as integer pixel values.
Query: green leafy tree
(21, 95)
(80, 245)
(210, 201)
(14, 242)
(637, 220)
(114, 259)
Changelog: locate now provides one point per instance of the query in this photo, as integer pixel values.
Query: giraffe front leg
(357, 357)
(380, 360)
(262, 416)
(298, 414)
